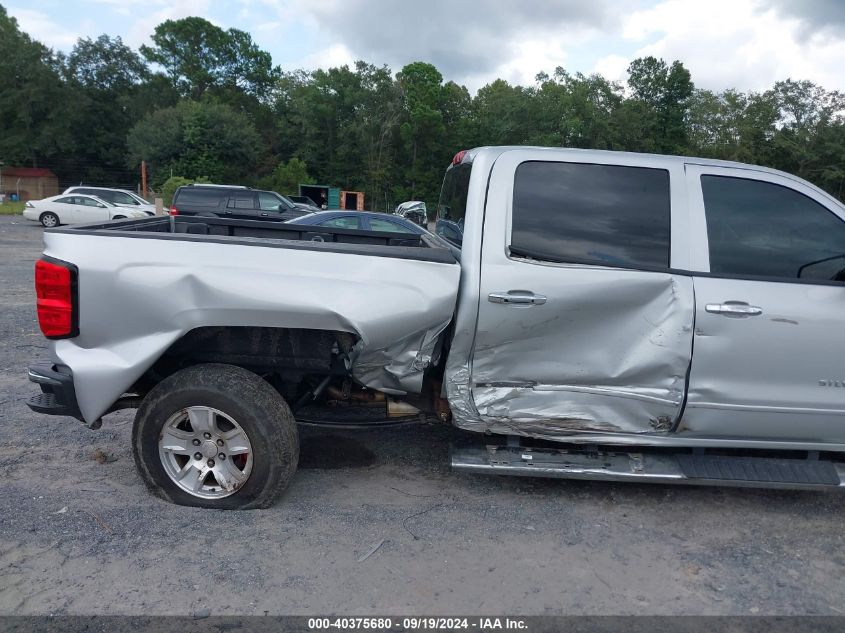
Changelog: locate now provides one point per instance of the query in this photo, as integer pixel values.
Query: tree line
(202, 102)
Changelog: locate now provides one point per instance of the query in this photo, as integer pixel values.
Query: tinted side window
(268, 202)
(241, 201)
(108, 196)
(387, 225)
(603, 214)
(757, 228)
(207, 197)
(343, 222)
(119, 197)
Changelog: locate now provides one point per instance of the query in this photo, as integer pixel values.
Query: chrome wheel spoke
(202, 419)
(228, 475)
(237, 442)
(176, 441)
(191, 477)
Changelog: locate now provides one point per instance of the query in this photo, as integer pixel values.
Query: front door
(582, 326)
(769, 346)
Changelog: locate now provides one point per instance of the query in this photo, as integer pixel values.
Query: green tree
(664, 91)
(423, 128)
(33, 100)
(196, 139)
(287, 177)
(106, 65)
(200, 57)
(104, 79)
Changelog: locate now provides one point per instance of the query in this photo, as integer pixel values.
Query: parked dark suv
(235, 202)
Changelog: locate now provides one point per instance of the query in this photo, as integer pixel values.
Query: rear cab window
(452, 206)
(583, 213)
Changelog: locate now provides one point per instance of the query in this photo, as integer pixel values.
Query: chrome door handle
(733, 308)
(518, 297)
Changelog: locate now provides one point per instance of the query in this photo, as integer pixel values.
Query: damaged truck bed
(597, 314)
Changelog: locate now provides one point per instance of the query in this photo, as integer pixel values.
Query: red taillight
(55, 290)
(174, 211)
(459, 157)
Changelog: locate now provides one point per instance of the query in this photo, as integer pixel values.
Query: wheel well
(285, 356)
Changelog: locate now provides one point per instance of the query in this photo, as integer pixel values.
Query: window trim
(699, 237)
(553, 259)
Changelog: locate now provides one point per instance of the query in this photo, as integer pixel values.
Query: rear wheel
(49, 219)
(215, 436)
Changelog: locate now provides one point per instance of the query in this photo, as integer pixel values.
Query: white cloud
(468, 42)
(332, 57)
(735, 43)
(141, 30)
(612, 67)
(40, 27)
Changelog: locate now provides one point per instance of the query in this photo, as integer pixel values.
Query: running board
(669, 468)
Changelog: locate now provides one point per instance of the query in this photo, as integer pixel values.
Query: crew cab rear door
(770, 299)
(242, 205)
(582, 326)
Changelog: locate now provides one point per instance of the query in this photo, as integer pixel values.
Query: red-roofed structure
(33, 183)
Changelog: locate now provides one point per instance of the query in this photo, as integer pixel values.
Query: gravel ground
(80, 534)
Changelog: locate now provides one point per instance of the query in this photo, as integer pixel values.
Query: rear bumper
(58, 395)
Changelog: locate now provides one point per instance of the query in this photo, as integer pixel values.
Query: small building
(333, 198)
(353, 200)
(30, 183)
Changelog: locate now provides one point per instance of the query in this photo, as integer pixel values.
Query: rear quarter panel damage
(138, 296)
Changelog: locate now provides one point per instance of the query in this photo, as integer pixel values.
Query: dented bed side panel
(138, 296)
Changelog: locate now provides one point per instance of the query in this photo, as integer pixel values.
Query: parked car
(361, 220)
(119, 197)
(371, 221)
(75, 209)
(415, 211)
(614, 316)
(304, 200)
(228, 201)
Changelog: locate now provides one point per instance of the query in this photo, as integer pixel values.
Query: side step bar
(669, 468)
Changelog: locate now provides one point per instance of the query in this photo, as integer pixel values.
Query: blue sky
(747, 44)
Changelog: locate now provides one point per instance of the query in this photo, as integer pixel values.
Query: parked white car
(76, 209)
(119, 197)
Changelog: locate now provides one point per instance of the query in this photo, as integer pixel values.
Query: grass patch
(11, 208)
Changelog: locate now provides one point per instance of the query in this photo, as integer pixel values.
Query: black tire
(49, 219)
(246, 398)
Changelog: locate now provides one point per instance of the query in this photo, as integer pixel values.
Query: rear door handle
(518, 297)
(733, 309)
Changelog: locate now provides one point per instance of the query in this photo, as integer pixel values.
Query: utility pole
(144, 179)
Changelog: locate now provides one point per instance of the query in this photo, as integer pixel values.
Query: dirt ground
(80, 534)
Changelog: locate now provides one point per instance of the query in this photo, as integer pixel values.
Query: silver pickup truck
(609, 316)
